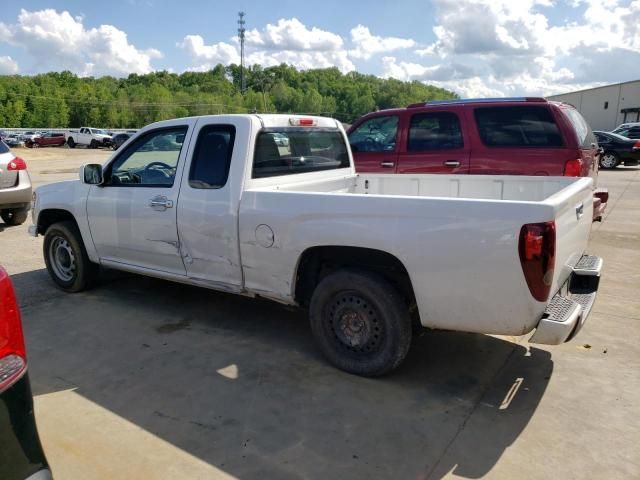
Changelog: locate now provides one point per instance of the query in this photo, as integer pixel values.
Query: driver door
(374, 144)
(132, 215)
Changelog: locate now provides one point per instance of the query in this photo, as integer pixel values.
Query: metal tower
(241, 30)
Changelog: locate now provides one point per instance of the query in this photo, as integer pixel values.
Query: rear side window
(526, 126)
(3, 147)
(377, 134)
(212, 157)
(434, 131)
(291, 150)
(581, 127)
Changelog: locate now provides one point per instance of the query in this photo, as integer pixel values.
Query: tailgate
(573, 207)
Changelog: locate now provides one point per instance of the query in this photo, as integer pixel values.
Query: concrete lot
(141, 378)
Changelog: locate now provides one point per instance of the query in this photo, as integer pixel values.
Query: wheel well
(51, 216)
(317, 262)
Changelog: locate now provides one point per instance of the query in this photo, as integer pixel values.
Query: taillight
(302, 122)
(13, 361)
(537, 249)
(636, 146)
(573, 168)
(17, 164)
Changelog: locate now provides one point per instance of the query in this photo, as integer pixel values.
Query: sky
(477, 48)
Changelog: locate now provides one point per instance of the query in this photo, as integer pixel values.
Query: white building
(606, 107)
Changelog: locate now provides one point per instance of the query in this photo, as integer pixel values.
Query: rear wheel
(15, 216)
(66, 258)
(93, 144)
(71, 142)
(609, 160)
(360, 322)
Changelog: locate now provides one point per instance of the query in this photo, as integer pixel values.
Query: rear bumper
(570, 307)
(18, 196)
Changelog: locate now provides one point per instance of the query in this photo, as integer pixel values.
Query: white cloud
(8, 66)
(58, 41)
(515, 50)
(293, 35)
(288, 41)
(366, 45)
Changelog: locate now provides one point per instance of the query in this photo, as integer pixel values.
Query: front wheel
(609, 160)
(360, 322)
(66, 258)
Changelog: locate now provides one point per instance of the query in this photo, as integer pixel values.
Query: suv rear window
(525, 126)
(3, 147)
(581, 127)
(291, 150)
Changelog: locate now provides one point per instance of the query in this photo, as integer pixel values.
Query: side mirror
(91, 174)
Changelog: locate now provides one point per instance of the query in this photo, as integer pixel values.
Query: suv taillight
(537, 249)
(17, 164)
(636, 146)
(573, 168)
(13, 361)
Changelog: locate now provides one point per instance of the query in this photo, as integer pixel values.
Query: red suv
(489, 136)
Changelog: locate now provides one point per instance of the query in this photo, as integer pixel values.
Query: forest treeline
(62, 99)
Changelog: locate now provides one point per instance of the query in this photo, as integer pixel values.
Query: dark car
(119, 139)
(21, 455)
(629, 130)
(617, 150)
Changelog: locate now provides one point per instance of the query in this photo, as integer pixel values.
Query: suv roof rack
(478, 100)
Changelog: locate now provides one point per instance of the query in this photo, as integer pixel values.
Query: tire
(93, 144)
(15, 216)
(66, 258)
(609, 160)
(71, 142)
(360, 322)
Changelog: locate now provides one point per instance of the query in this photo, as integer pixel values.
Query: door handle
(452, 163)
(160, 203)
(387, 164)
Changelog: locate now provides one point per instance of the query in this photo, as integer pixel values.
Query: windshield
(291, 150)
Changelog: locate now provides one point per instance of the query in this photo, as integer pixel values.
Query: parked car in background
(491, 136)
(215, 202)
(48, 139)
(89, 137)
(617, 150)
(15, 188)
(3, 134)
(629, 130)
(118, 139)
(21, 454)
(13, 141)
(28, 136)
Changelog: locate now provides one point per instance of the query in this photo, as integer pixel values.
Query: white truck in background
(223, 202)
(88, 137)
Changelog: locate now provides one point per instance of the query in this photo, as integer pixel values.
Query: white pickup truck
(222, 202)
(89, 137)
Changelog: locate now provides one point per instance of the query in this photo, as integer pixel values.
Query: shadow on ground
(239, 383)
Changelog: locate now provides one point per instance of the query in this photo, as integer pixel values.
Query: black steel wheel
(360, 322)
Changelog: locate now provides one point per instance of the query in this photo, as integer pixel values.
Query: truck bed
(453, 233)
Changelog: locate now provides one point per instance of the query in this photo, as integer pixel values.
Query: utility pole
(241, 30)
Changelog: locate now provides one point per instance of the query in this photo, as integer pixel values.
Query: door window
(375, 135)
(212, 157)
(151, 161)
(434, 131)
